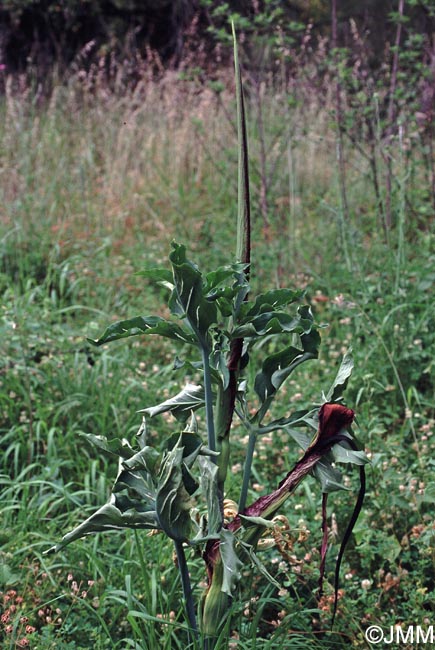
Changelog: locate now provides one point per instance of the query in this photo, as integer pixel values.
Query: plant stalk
(187, 588)
(243, 253)
(344, 212)
(247, 470)
(391, 115)
(211, 436)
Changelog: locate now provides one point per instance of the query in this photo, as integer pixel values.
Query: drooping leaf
(259, 565)
(132, 503)
(311, 342)
(276, 369)
(147, 459)
(269, 301)
(343, 454)
(192, 368)
(109, 517)
(329, 477)
(181, 405)
(192, 445)
(301, 437)
(230, 561)
(340, 381)
(142, 434)
(275, 322)
(219, 360)
(192, 425)
(144, 325)
(113, 447)
(268, 323)
(173, 503)
(139, 485)
(255, 521)
(297, 418)
(264, 385)
(221, 275)
(209, 488)
(163, 276)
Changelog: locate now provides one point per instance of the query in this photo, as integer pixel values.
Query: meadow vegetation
(95, 184)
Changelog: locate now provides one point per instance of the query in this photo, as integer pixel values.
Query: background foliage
(38, 34)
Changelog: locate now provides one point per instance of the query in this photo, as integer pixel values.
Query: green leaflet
(200, 313)
(144, 325)
(340, 381)
(181, 405)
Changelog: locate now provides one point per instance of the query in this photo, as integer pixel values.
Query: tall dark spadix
(243, 252)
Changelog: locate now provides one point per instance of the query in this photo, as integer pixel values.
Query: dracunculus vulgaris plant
(219, 328)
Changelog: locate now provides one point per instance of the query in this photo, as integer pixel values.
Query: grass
(94, 187)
